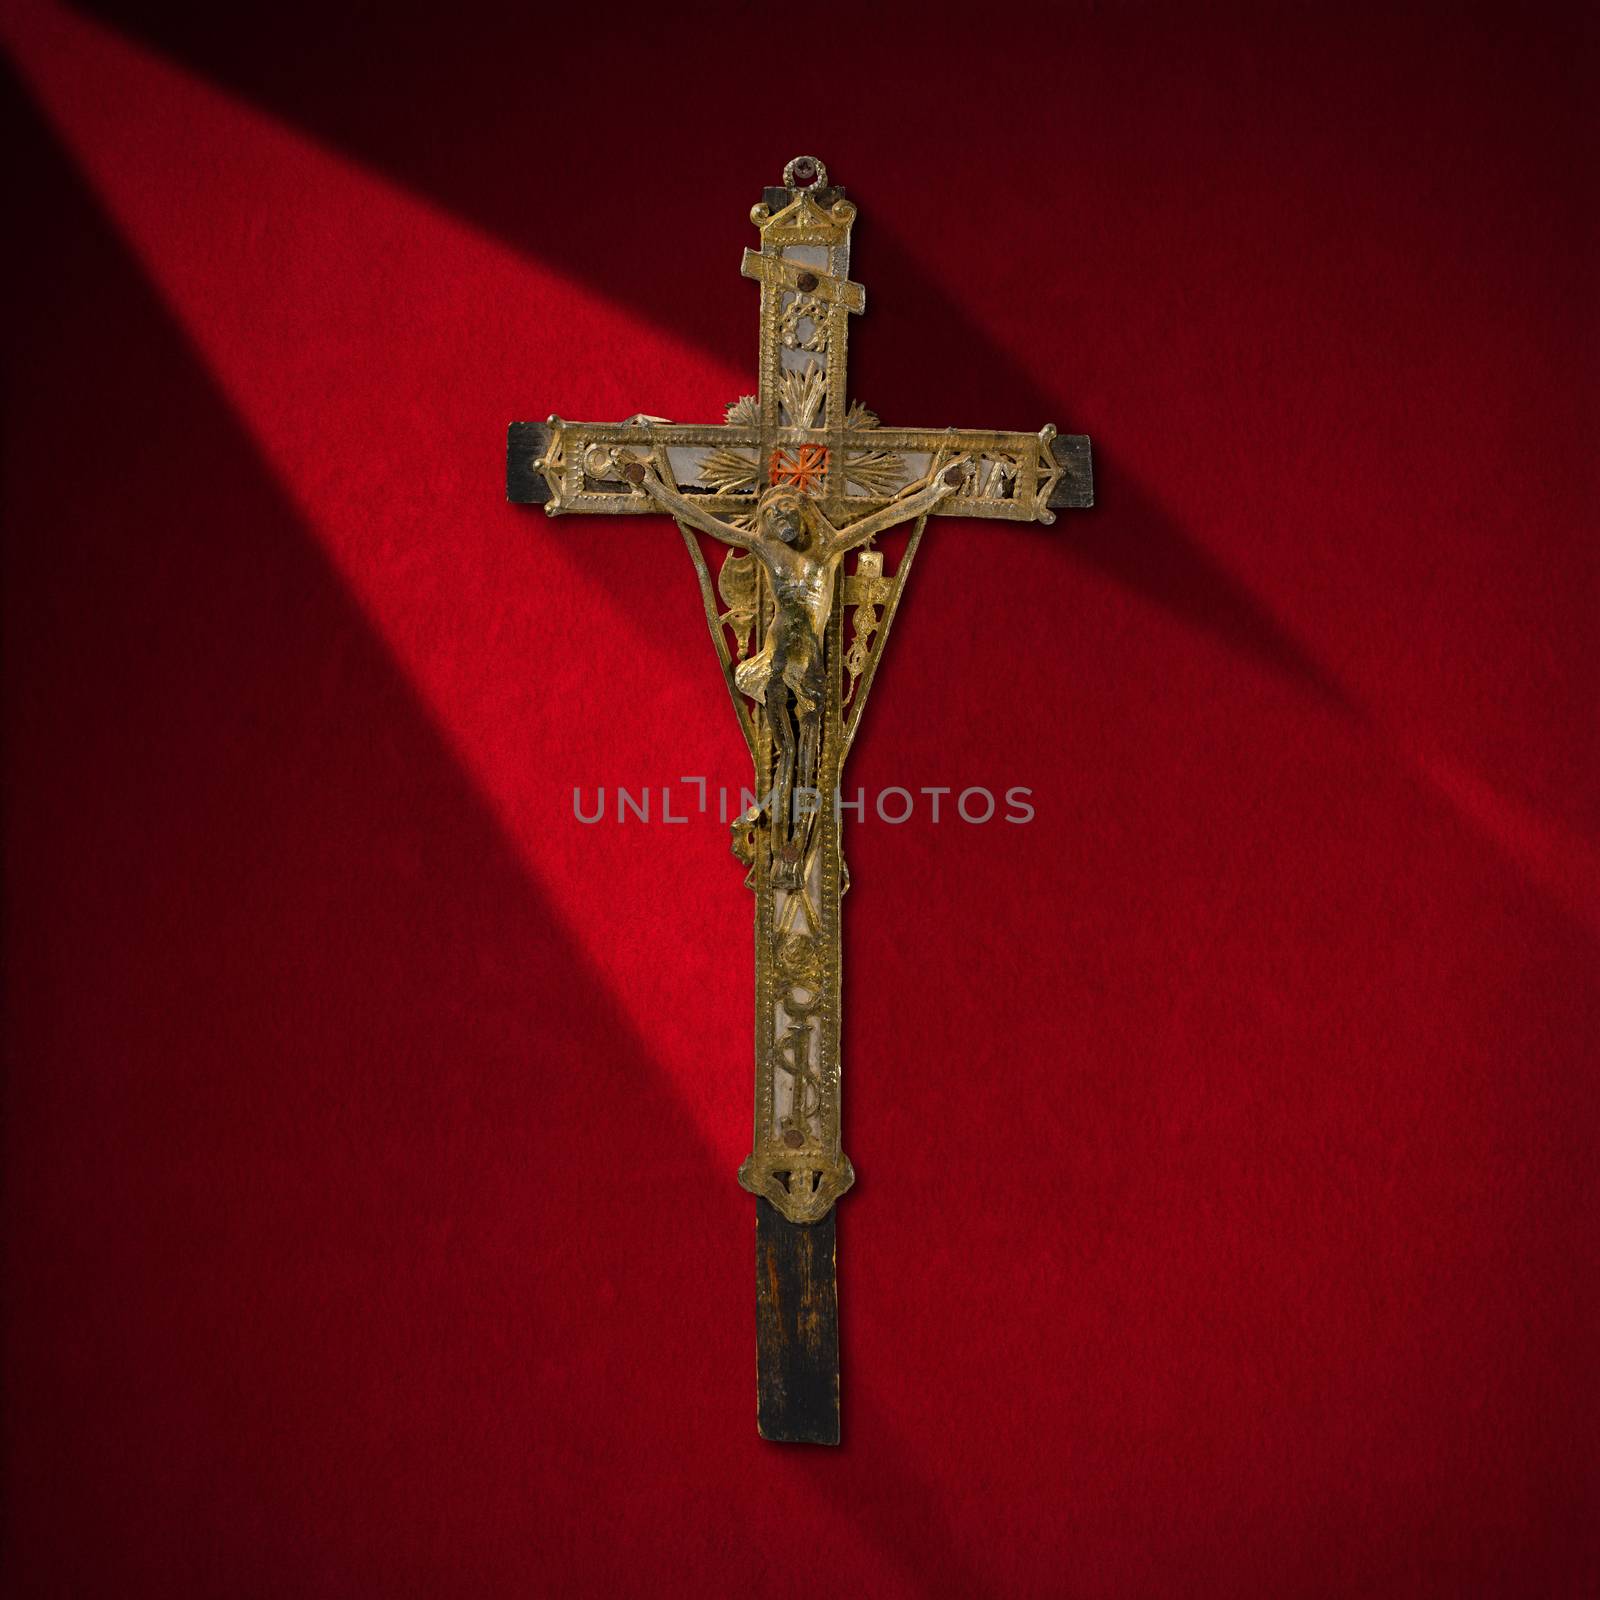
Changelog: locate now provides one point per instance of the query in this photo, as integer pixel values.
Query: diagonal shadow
(350, 1014)
(1150, 553)
(421, 1096)
(551, 185)
(1127, 537)
(554, 186)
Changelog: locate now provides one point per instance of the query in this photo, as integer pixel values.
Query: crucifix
(797, 481)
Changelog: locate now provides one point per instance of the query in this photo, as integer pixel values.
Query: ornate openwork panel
(795, 486)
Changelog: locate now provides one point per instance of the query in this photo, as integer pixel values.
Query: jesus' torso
(800, 581)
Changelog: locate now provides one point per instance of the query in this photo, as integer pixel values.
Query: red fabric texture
(1226, 1135)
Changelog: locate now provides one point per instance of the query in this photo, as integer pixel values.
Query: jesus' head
(784, 514)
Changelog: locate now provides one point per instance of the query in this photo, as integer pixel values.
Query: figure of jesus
(800, 549)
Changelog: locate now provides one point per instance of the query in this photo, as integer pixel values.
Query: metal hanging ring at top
(808, 170)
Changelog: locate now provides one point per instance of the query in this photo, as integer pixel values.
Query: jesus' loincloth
(793, 653)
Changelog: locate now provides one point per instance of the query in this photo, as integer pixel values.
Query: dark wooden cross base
(797, 1328)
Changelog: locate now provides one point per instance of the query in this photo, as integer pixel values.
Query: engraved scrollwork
(799, 964)
(799, 960)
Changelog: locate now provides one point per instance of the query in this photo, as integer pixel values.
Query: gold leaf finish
(794, 482)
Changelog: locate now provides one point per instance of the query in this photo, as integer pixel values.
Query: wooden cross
(795, 480)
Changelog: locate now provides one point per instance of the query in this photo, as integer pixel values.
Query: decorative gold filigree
(996, 478)
(806, 171)
(800, 960)
(739, 586)
(802, 308)
(875, 472)
(866, 589)
(727, 471)
(801, 395)
(838, 477)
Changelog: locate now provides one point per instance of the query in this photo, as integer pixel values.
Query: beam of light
(375, 348)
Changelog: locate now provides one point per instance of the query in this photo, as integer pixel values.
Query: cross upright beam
(797, 479)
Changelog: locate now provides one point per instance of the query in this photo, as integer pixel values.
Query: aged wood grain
(1076, 488)
(797, 1328)
(526, 442)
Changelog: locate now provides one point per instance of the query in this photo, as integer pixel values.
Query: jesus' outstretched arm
(648, 482)
(939, 485)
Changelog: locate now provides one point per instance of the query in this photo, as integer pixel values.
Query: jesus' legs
(785, 848)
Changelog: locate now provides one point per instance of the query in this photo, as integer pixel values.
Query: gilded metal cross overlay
(796, 480)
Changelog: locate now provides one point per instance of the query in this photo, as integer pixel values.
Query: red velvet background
(1227, 1136)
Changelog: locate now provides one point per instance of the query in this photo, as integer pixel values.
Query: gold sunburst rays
(801, 394)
